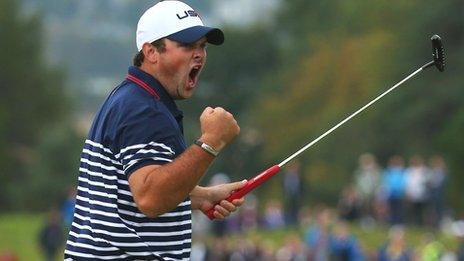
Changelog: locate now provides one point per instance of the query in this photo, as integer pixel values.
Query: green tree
(32, 100)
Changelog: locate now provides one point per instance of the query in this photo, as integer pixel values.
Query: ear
(150, 53)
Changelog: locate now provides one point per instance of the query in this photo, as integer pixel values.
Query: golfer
(138, 179)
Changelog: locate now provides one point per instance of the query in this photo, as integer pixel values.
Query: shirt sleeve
(144, 136)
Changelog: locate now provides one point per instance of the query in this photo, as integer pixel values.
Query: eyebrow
(193, 44)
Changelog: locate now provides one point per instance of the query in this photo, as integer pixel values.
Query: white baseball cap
(176, 21)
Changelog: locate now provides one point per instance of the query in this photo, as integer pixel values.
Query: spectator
(367, 178)
(249, 214)
(219, 251)
(381, 205)
(395, 249)
(67, 210)
(437, 186)
(293, 192)
(199, 250)
(393, 183)
(305, 217)
(201, 225)
(433, 249)
(349, 205)
(416, 188)
(461, 250)
(317, 236)
(267, 251)
(51, 236)
(246, 250)
(344, 246)
(293, 250)
(273, 216)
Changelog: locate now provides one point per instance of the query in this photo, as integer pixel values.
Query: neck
(144, 67)
(150, 70)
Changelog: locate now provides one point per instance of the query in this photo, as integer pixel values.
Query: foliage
(337, 56)
(33, 99)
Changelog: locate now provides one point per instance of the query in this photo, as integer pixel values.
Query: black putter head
(438, 53)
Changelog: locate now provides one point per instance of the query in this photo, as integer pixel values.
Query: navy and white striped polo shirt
(138, 125)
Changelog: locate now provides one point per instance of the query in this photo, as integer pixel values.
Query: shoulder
(128, 96)
(128, 101)
(127, 105)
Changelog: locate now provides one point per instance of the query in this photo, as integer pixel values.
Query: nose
(199, 52)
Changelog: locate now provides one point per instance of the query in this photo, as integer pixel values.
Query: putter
(438, 61)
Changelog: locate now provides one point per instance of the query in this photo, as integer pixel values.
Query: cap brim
(190, 35)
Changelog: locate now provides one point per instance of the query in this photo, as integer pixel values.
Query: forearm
(168, 185)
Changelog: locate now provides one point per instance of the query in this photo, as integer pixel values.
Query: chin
(186, 96)
(187, 93)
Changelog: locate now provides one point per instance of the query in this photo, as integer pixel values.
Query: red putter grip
(249, 186)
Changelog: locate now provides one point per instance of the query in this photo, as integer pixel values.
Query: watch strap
(206, 147)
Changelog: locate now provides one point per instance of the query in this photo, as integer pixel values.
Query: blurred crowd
(397, 194)
(321, 235)
(395, 198)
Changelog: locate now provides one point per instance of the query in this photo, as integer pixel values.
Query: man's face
(179, 67)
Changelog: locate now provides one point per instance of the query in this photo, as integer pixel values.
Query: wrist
(214, 142)
(207, 148)
(198, 196)
(210, 140)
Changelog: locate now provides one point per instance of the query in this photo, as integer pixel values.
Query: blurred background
(391, 178)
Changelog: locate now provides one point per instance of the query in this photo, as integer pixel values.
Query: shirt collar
(158, 88)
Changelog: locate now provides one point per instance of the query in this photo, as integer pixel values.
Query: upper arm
(137, 183)
(143, 140)
(141, 135)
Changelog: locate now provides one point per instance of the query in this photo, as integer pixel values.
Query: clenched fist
(218, 127)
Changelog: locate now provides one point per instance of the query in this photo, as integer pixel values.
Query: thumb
(237, 185)
(208, 110)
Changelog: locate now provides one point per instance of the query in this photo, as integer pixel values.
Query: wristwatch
(206, 147)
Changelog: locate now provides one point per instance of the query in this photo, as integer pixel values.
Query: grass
(415, 237)
(19, 234)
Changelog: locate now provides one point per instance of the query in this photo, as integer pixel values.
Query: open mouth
(193, 75)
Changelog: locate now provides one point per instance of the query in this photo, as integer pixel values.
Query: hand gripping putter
(438, 61)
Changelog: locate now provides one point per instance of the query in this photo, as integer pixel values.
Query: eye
(187, 45)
